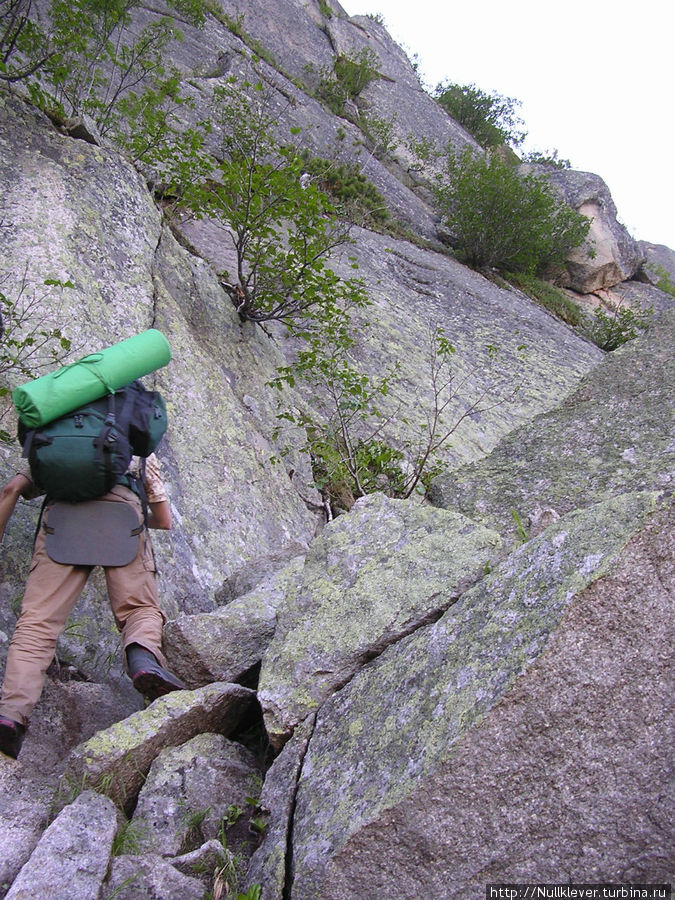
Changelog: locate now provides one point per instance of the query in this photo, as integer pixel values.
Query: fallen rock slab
(269, 864)
(370, 578)
(118, 759)
(224, 645)
(25, 802)
(71, 860)
(190, 794)
(203, 862)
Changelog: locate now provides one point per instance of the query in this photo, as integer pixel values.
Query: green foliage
(379, 133)
(356, 198)
(345, 441)
(23, 48)
(127, 839)
(503, 219)
(28, 343)
(253, 893)
(490, 118)
(665, 282)
(547, 158)
(283, 227)
(122, 887)
(520, 528)
(90, 60)
(610, 330)
(350, 74)
(325, 10)
(424, 150)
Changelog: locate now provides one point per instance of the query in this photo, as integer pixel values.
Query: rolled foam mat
(90, 378)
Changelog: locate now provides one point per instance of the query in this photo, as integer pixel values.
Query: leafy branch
(28, 343)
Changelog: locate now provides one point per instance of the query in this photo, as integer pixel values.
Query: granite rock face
(81, 213)
(612, 435)
(471, 692)
(657, 260)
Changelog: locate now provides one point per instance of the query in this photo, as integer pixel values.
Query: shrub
(490, 118)
(610, 330)
(503, 219)
(28, 342)
(547, 158)
(89, 60)
(351, 73)
(345, 441)
(356, 198)
(665, 281)
(550, 297)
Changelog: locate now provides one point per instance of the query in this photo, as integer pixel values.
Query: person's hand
(16, 486)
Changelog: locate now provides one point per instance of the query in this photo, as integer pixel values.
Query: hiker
(53, 588)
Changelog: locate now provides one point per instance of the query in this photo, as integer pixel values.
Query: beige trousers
(51, 592)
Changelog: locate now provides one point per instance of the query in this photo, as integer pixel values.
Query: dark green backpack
(81, 456)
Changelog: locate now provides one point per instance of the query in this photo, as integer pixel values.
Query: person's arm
(159, 515)
(159, 508)
(17, 485)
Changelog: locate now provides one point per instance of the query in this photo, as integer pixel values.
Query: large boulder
(518, 738)
(71, 860)
(68, 713)
(197, 792)
(269, 864)
(226, 644)
(609, 255)
(370, 578)
(118, 759)
(659, 261)
(150, 877)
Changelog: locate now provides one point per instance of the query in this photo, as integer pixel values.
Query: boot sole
(152, 685)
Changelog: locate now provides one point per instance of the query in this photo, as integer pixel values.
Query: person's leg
(132, 590)
(49, 597)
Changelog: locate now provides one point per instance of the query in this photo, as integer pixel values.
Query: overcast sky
(595, 78)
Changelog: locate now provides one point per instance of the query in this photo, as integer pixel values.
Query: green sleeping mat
(90, 378)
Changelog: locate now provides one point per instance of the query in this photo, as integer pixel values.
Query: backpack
(82, 455)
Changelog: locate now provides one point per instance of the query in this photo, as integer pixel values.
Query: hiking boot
(148, 677)
(11, 736)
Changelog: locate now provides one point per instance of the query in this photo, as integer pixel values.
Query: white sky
(595, 78)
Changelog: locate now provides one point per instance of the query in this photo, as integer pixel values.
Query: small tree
(350, 74)
(620, 324)
(346, 435)
(88, 60)
(283, 227)
(490, 118)
(504, 219)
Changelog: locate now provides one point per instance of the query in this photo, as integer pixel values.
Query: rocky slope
(414, 699)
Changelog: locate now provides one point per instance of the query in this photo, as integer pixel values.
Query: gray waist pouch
(93, 533)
